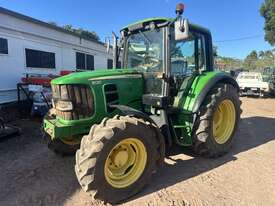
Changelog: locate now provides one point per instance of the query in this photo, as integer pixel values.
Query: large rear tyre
(217, 121)
(117, 158)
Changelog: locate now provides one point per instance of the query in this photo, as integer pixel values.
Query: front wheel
(217, 121)
(61, 147)
(117, 158)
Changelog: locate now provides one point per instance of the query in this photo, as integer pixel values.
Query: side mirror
(107, 44)
(181, 29)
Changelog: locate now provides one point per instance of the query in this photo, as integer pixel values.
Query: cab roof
(155, 19)
(160, 20)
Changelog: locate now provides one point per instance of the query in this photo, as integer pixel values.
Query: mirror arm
(115, 50)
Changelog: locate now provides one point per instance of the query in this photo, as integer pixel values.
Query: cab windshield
(145, 51)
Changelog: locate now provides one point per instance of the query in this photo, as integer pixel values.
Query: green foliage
(82, 32)
(228, 63)
(254, 61)
(250, 61)
(91, 35)
(52, 23)
(215, 51)
(260, 60)
(176, 52)
(268, 12)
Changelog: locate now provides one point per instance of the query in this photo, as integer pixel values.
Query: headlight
(63, 105)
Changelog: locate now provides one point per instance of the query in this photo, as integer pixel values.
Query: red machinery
(44, 80)
(36, 88)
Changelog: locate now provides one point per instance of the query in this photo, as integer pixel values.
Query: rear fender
(194, 95)
(190, 98)
(218, 78)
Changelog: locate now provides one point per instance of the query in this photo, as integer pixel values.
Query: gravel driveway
(30, 174)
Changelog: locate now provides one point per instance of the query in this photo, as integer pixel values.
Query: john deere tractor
(167, 93)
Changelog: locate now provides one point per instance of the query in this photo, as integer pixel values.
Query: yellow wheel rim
(224, 121)
(125, 163)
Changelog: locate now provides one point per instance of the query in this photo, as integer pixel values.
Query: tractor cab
(170, 54)
(167, 52)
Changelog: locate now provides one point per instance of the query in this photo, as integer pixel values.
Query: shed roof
(42, 23)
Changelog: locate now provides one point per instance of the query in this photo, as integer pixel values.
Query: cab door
(187, 61)
(187, 58)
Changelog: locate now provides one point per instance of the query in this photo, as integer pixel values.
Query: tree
(250, 61)
(68, 27)
(269, 58)
(259, 61)
(253, 61)
(52, 23)
(215, 51)
(81, 32)
(268, 12)
(227, 63)
(261, 54)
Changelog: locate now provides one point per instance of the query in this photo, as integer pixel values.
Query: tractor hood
(86, 77)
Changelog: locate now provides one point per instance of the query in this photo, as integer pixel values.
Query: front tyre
(217, 121)
(117, 158)
(61, 147)
(58, 145)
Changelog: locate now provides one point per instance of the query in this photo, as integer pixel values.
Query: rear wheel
(217, 121)
(117, 158)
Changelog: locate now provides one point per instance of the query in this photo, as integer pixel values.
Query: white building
(28, 45)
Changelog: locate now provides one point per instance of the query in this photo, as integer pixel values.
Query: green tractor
(167, 93)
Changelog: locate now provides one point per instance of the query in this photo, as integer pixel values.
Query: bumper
(56, 129)
(252, 91)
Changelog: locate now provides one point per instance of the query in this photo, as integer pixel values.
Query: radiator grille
(79, 95)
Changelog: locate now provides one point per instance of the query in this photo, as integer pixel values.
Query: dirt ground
(30, 174)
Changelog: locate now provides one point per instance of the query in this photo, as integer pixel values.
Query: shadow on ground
(253, 132)
(30, 174)
(33, 175)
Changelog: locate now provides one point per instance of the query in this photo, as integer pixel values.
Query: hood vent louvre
(111, 96)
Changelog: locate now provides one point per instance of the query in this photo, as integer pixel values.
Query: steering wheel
(150, 63)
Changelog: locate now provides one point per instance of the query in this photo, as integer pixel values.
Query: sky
(228, 20)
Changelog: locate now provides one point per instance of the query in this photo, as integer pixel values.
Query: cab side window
(201, 53)
(182, 57)
(187, 56)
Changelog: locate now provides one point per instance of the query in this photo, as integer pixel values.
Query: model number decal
(96, 82)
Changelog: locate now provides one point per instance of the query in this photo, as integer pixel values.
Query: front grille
(81, 97)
